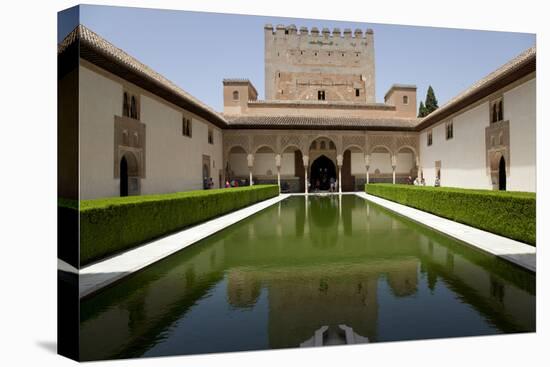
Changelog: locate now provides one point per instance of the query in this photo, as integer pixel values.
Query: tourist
(332, 184)
(210, 183)
(417, 181)
(409, 180)
(423, 182)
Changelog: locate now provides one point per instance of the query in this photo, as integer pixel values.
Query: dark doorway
(348, 181)
(123, 177)
(502, 174)
(322, 170)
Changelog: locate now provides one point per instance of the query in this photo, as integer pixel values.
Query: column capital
(393, 161)
(367, 160)
(305, 159)
(250, 160)
(339, 160)
(278, 160)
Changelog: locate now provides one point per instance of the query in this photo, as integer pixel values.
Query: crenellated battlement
(319, 63)
(292, 30)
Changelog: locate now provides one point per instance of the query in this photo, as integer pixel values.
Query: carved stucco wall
(281, 140)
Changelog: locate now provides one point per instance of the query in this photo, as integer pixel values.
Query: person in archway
(332, 184)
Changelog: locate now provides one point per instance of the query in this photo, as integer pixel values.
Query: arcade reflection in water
(274, 279)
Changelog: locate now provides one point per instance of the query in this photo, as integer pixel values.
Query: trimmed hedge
(509, 214)
(111, 225)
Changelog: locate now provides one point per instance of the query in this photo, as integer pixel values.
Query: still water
(304, 265)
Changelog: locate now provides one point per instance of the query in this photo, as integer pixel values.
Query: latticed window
(321, 95)
(133, 108)
(429, 138)
(125, 105)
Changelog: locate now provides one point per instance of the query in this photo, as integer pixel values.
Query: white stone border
(513, 251)
(98, 275)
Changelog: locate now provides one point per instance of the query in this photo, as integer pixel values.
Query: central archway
(322, 170)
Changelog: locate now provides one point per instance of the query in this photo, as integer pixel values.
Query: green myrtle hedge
(509, 214)
(110, 225)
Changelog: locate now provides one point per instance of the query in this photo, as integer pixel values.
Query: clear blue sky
(197, 50)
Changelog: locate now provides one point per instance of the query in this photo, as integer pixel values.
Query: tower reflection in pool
(275, 279)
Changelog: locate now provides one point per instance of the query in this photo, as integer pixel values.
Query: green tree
(421, 110)
(431, 101)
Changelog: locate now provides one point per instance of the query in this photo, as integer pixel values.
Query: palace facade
(124, 129)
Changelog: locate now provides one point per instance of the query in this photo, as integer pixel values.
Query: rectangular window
(429, 138)
(357, 92)
(496, 110)
(186, 127)
(449, 130)
(321, 95)
(210, 136)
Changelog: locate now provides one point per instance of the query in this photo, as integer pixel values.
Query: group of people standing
(418, 181)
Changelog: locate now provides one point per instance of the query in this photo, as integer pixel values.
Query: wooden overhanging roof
(513, 70)
(100, 52)
(93, 48)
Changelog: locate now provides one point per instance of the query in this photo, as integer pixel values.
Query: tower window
(405, 99)
(357, 92)
(236, 95)
(321, 95)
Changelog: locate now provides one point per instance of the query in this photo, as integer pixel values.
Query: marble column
(393, 166)
(367, 166)
(305, 159)
(250, 161)
(278, 164)
(339, 162)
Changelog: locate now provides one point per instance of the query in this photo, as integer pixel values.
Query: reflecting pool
(303, 266)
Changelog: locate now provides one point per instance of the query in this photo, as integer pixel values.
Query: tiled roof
(316, 103)
(523, 60)
(96, 42)
(320, 122)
